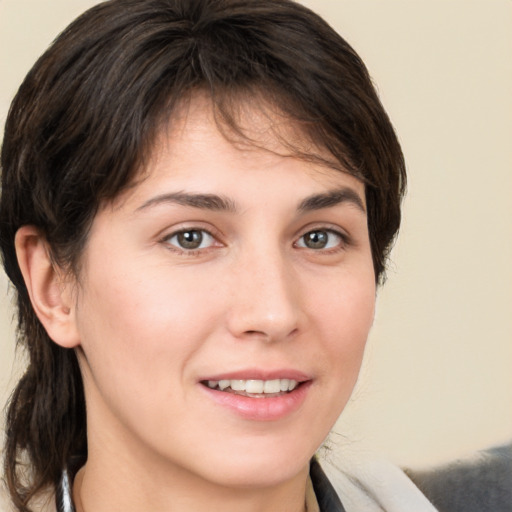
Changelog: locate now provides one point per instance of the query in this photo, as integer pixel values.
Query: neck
(102, 491)
(122, 475)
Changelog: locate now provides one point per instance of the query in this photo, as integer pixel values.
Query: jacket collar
(328, 499)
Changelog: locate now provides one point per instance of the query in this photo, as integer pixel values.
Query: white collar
(374, 486)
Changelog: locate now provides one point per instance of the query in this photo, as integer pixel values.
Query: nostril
(257, 334)
(267, 336)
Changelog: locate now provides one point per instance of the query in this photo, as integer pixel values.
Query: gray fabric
(482, 483)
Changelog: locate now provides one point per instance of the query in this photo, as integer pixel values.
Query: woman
(198, 200)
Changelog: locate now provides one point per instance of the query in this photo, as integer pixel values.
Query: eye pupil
(190, 239)
(316, 239)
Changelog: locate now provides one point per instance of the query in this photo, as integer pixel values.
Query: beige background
(437, 382)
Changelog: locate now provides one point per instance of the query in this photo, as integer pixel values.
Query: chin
(259, 474)
(257, 467)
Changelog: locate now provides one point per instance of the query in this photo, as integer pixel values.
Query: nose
(265, 299)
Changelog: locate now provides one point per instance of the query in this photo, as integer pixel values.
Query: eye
(191, 239)
(319, 239)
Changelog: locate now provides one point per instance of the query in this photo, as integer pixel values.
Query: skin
(150, 319)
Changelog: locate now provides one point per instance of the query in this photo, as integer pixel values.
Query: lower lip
(261, 409)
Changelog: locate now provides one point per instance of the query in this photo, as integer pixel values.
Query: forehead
(198, 147)
(249, 126)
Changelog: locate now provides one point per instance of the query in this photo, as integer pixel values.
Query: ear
(51, 291)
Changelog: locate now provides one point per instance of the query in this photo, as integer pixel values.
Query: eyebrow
(204, 201)
(332, 198)
(215, 202)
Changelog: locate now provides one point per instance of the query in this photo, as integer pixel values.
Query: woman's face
(229, 267)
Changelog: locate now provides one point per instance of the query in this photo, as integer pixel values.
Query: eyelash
(189, 252)
(341, 245)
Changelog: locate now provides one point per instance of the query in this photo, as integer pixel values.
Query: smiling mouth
(254, 388)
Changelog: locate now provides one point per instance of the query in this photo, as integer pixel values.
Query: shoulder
(480, 482)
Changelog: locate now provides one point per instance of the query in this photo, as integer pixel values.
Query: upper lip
(260, 374)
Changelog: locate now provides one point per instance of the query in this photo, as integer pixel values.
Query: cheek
(343, 316)
(141, 318)
(138, 336)
(345, 306)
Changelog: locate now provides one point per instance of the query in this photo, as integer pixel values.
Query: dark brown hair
(82, 125)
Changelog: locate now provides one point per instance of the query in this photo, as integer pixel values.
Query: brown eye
(320, 239)
(191, 239)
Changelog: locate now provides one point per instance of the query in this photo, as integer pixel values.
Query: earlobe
(51, 294)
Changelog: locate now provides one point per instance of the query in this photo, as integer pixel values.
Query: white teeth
(272, 386)
(256, 387)
(223, 384)
(238, 385)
